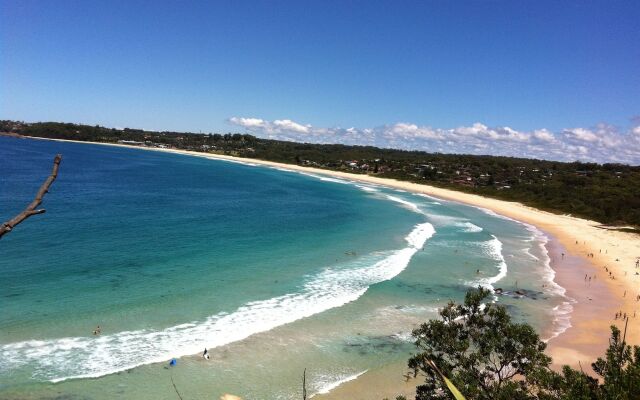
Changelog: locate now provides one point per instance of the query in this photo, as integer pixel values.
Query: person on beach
(205, 355)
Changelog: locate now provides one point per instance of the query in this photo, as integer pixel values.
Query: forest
(607, 193)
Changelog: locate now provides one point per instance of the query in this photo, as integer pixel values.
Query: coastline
(595, 304)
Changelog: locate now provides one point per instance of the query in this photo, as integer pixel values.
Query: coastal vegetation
(608, 193)
(489, 357)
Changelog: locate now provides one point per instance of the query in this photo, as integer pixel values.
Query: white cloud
(582, 134)
(412, 131)
(288, 125)
(602, 143)
(476, 129)
(248, 122)
(543, 135)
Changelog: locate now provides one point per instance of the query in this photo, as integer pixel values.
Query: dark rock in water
(520, 293)
(374, 344)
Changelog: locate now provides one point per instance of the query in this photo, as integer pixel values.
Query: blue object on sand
(173, 362)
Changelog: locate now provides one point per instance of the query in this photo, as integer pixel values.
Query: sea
(273, 271)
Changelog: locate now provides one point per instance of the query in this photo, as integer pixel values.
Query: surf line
(61, 359)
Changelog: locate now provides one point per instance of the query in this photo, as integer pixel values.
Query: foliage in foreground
(489, 357)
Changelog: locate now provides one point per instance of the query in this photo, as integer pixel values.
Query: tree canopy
(489, 357)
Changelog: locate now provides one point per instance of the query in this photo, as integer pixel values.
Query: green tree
(619, 370)
(487, 356)
(479, 348)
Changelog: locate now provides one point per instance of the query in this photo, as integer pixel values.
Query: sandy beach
(597, 267)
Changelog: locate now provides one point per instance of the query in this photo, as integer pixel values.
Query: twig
(175, 388)
(304, 385)
(31, 208)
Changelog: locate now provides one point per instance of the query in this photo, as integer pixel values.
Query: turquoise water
(273, 271)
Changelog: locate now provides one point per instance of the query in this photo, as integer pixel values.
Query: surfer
(205, 355)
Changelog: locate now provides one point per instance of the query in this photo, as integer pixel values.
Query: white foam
(493, 249)
(404, 337)
(83, 357)
(325, 178)
(469, 227)
(562, 312)
(334, 180)
(548, 272)
(495, 214)
(407, 204)
(561, 318)
(367, 188)
(235, 161)
(283, 169)
(433, 199)
(326, 384)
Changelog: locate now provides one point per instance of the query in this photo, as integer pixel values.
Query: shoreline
(613, 288)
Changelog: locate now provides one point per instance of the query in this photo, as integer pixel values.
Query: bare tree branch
(175, 388)
(304, 385)
(31, 208)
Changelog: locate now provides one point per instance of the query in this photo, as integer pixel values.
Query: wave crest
(83, 357)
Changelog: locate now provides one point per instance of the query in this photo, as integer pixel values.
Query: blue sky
(330, 66)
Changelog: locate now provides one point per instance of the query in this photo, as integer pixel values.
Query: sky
(542, 79)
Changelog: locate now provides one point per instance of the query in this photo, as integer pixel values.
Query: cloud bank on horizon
(602, 143)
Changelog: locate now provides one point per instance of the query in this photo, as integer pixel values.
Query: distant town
(609, 193)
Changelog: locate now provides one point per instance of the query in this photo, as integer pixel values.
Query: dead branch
(31, 208)
(304, 385)
(175, 388)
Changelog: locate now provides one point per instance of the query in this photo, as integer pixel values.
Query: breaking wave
(325, 384)
(83, 357)
(493, 249)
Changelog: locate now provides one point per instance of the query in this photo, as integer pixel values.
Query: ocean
(273, 271)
